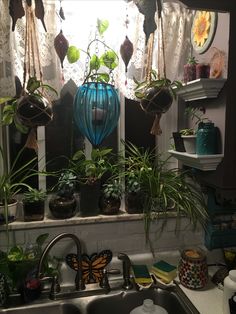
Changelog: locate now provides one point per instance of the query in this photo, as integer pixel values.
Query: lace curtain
(79, 29)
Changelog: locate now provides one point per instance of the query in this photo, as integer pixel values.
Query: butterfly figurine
(92, 266)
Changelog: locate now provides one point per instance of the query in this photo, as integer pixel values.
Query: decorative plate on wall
(203, 30)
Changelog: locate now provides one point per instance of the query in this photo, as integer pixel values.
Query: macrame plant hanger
(32, 69)
(156, 129)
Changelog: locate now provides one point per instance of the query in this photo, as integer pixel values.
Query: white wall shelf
(201, 162)
(201, 88)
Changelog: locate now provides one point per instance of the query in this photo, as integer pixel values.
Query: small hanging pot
(34, 111)
(157, 100)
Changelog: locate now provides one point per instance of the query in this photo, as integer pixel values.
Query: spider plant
(165, 189)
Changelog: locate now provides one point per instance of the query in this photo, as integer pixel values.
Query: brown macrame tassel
(156, 129)
(31, 141)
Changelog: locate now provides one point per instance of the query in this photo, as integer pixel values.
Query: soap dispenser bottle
(229, 290)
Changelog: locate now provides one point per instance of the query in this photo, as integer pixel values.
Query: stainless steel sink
(46, 308)
(94, 300)
(125, 302)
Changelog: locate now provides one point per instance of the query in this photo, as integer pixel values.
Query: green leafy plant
(165, 189)
(100, 67)
(142, 87)
(35, 89)
(34, 195)
(89, 170)
(197, 116)
(66, 183)
(113, 189)
(192, 60)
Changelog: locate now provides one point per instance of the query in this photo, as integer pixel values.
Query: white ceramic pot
(189, 143)
(12, 209)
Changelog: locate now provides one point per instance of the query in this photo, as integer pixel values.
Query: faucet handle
(104, 283)
(55, 287)
(126, 270)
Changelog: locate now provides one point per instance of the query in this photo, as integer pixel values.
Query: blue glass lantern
(96, 110)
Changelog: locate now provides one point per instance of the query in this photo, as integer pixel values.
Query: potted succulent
(63, 205)
(134, 196)
(110, 200)
(96, 104)
(156, 96)
(33, 204)
(190, 69)
(166, 190)
(91, 174)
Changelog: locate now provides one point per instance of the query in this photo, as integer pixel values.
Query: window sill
(78, 220)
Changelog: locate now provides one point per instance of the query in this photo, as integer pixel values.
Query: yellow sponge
(141, 274)
(165, 271)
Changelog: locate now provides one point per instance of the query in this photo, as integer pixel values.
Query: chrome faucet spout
(79, 282)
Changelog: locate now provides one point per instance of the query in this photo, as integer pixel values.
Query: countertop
(207, 300)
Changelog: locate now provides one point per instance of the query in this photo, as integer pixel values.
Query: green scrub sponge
(165, 271)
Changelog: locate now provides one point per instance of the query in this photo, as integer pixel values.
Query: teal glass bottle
(206, 139)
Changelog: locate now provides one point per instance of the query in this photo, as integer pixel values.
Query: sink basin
(47, 308)
(125, 302)
(95, 300)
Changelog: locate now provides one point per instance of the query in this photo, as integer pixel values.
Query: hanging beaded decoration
(126, 48)
(34, 106)
(61, 44)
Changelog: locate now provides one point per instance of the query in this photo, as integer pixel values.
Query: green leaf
(41, 239)
(50, 88)
(109, 59)
(102, 26)
(73, 54)
(103, 77)
(32, 84)
(15, 254)
(5, 99)
(8, 109)
(94, 63)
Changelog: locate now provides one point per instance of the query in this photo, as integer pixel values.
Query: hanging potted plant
(96, 104)
(110, 199)
(156, 96)
(32, 107)
(33, 204)
(90, 174)
(63, 205)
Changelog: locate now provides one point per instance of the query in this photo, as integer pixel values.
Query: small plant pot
(134, 203)
(89, 199)
(189, 143)
(110, 206)
(189, 72)
(62, 207)
(33, 211)
(202, 70)
(157, 100)
(12, 210)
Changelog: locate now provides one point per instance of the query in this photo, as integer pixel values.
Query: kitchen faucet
(79, 282)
